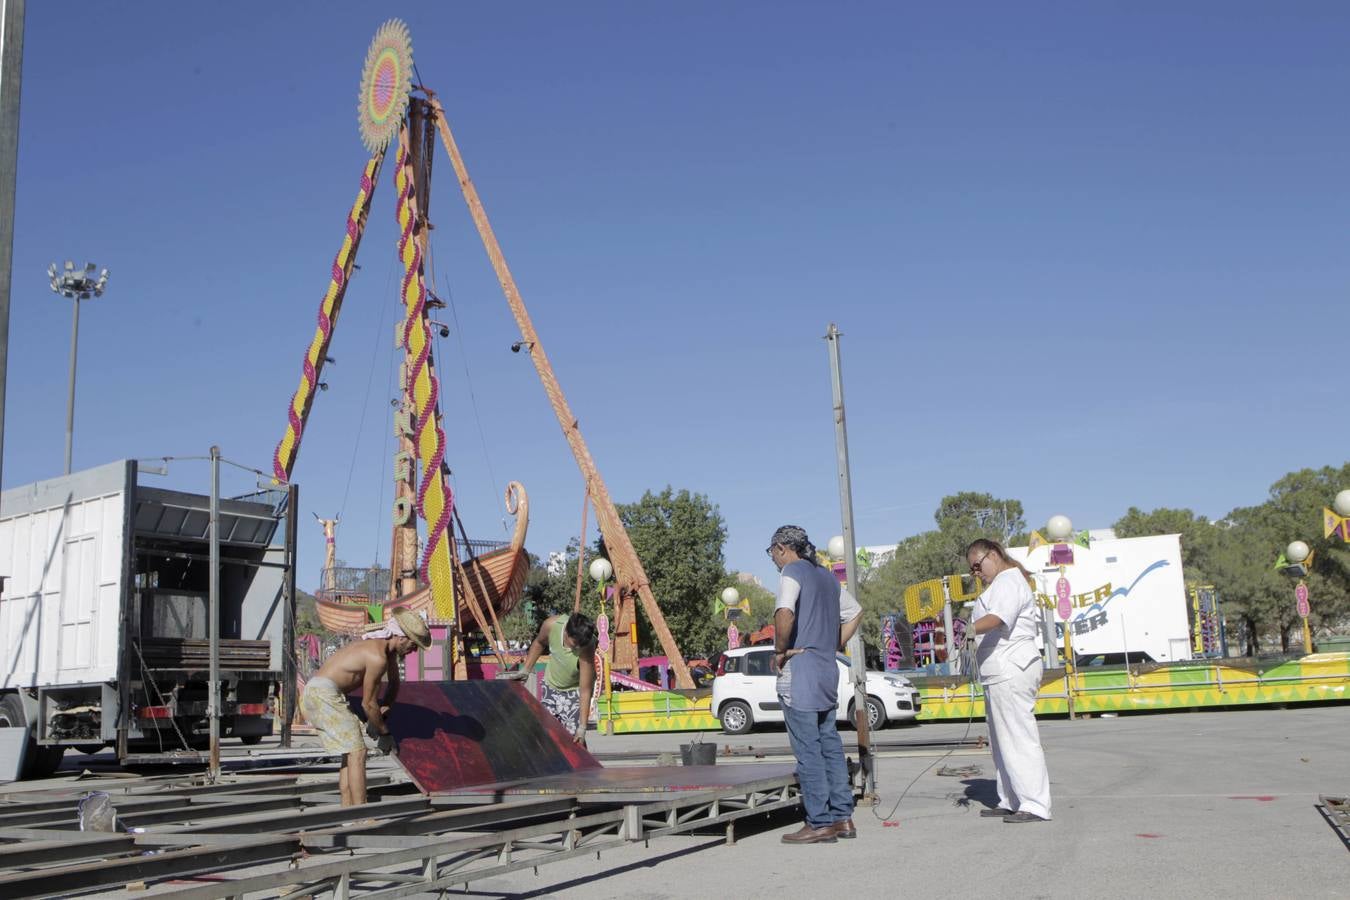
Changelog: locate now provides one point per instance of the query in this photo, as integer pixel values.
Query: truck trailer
(104, 616)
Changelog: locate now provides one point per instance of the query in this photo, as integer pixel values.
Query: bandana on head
(791, 536)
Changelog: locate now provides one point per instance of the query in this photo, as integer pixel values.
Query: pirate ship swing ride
(444, 582)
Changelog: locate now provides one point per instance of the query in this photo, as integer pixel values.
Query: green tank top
(563, 672)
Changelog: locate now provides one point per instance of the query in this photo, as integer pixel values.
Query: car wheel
(251, 740)
(39, 762)
(876, 714)
(735, 717)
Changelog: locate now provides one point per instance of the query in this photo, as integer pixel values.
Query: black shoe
(997, 811)
(1019, 817)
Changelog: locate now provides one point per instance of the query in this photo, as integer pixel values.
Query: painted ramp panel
(457, 734)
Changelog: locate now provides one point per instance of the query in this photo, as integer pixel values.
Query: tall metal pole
(70, 400)
(858, 668)
(11, 70)
(288, 667)
(213, 618)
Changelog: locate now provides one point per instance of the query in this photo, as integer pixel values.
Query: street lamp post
(77, 284)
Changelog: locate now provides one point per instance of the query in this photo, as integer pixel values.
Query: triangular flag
(1333, 524)
(1036, 541)
(1281, 563)
(1082, 539)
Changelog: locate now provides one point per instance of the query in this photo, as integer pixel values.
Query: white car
(744, 694)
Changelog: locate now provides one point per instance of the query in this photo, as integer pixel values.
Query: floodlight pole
(858, 668)
(70, 399)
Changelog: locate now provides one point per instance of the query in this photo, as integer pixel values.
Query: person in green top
(569, 677)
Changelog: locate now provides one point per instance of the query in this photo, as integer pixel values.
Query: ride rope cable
(370, 381)
(468, 377)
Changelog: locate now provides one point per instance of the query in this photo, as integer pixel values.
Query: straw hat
(413, 627)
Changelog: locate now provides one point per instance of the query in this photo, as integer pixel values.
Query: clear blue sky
(1088, 256)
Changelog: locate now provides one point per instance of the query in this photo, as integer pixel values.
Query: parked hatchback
(744, 694)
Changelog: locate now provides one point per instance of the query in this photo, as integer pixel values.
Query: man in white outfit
(1003, 630)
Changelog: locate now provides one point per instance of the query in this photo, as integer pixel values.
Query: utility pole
(11, 77)
(858, 668)
(213, 616)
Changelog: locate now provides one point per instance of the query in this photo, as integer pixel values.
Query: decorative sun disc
(385, 83)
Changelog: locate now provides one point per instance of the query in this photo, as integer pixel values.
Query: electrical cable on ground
(967, 658)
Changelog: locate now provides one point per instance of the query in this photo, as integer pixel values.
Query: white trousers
(1023, 782)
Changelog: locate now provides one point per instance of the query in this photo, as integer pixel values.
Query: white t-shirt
(789, 591)
(1012, 646)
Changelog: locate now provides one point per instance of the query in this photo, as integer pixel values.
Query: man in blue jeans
(812, 619)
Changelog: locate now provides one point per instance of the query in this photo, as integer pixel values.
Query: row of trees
(679, 536)
(1236, 554)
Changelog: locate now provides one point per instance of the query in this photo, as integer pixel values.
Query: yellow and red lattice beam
(283, 459)
(435, 500)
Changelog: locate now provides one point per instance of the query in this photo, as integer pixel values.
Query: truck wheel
(250, 740)
(736, 718)
(39, 762)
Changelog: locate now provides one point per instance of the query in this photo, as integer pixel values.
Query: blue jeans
(822, 771)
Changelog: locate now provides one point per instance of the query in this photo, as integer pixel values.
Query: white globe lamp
(1059, 528)
(836, 546)
(601, 570)
(1296, 552)
(1342, 503)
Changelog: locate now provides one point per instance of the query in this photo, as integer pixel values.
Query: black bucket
(698, 754)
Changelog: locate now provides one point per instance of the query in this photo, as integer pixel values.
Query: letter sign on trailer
(1062, 592)
(1301, 595)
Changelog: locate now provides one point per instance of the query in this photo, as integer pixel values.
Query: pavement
(1217, 804)
(1210, 804)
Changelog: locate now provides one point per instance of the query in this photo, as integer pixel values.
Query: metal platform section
(1336, 810)
(278, 835)
(451, 734)
(631, 785)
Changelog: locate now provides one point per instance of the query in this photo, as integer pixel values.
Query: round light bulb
(1342, 503)
(731, 596)
(1296, 552)
(601, 569)
(1059, 528)
(836, 547)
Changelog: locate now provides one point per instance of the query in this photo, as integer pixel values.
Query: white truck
(1127, 597)
(103, 616)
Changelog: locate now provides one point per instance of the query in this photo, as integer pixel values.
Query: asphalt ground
(1207, 804)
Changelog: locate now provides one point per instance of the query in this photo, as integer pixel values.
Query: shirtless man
(362, 664)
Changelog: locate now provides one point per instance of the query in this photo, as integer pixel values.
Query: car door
(761, 686)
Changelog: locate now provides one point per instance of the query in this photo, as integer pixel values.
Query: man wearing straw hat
(361, 664)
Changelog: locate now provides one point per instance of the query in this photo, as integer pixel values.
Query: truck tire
(39, 762)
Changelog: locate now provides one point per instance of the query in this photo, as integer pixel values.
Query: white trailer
(103, 616)
(1128, 596)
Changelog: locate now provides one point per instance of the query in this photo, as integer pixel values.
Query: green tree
(679, 537)
(1199, 537)
(961, 518)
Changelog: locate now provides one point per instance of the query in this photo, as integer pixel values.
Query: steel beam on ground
(88, 877)
(318, 817)
(34, 853)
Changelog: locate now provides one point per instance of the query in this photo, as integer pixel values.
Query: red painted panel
(454, 734)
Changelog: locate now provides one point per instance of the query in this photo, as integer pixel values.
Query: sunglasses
(769, 550)
(975, 566)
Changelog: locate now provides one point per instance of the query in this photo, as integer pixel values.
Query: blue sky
(1087, 256)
